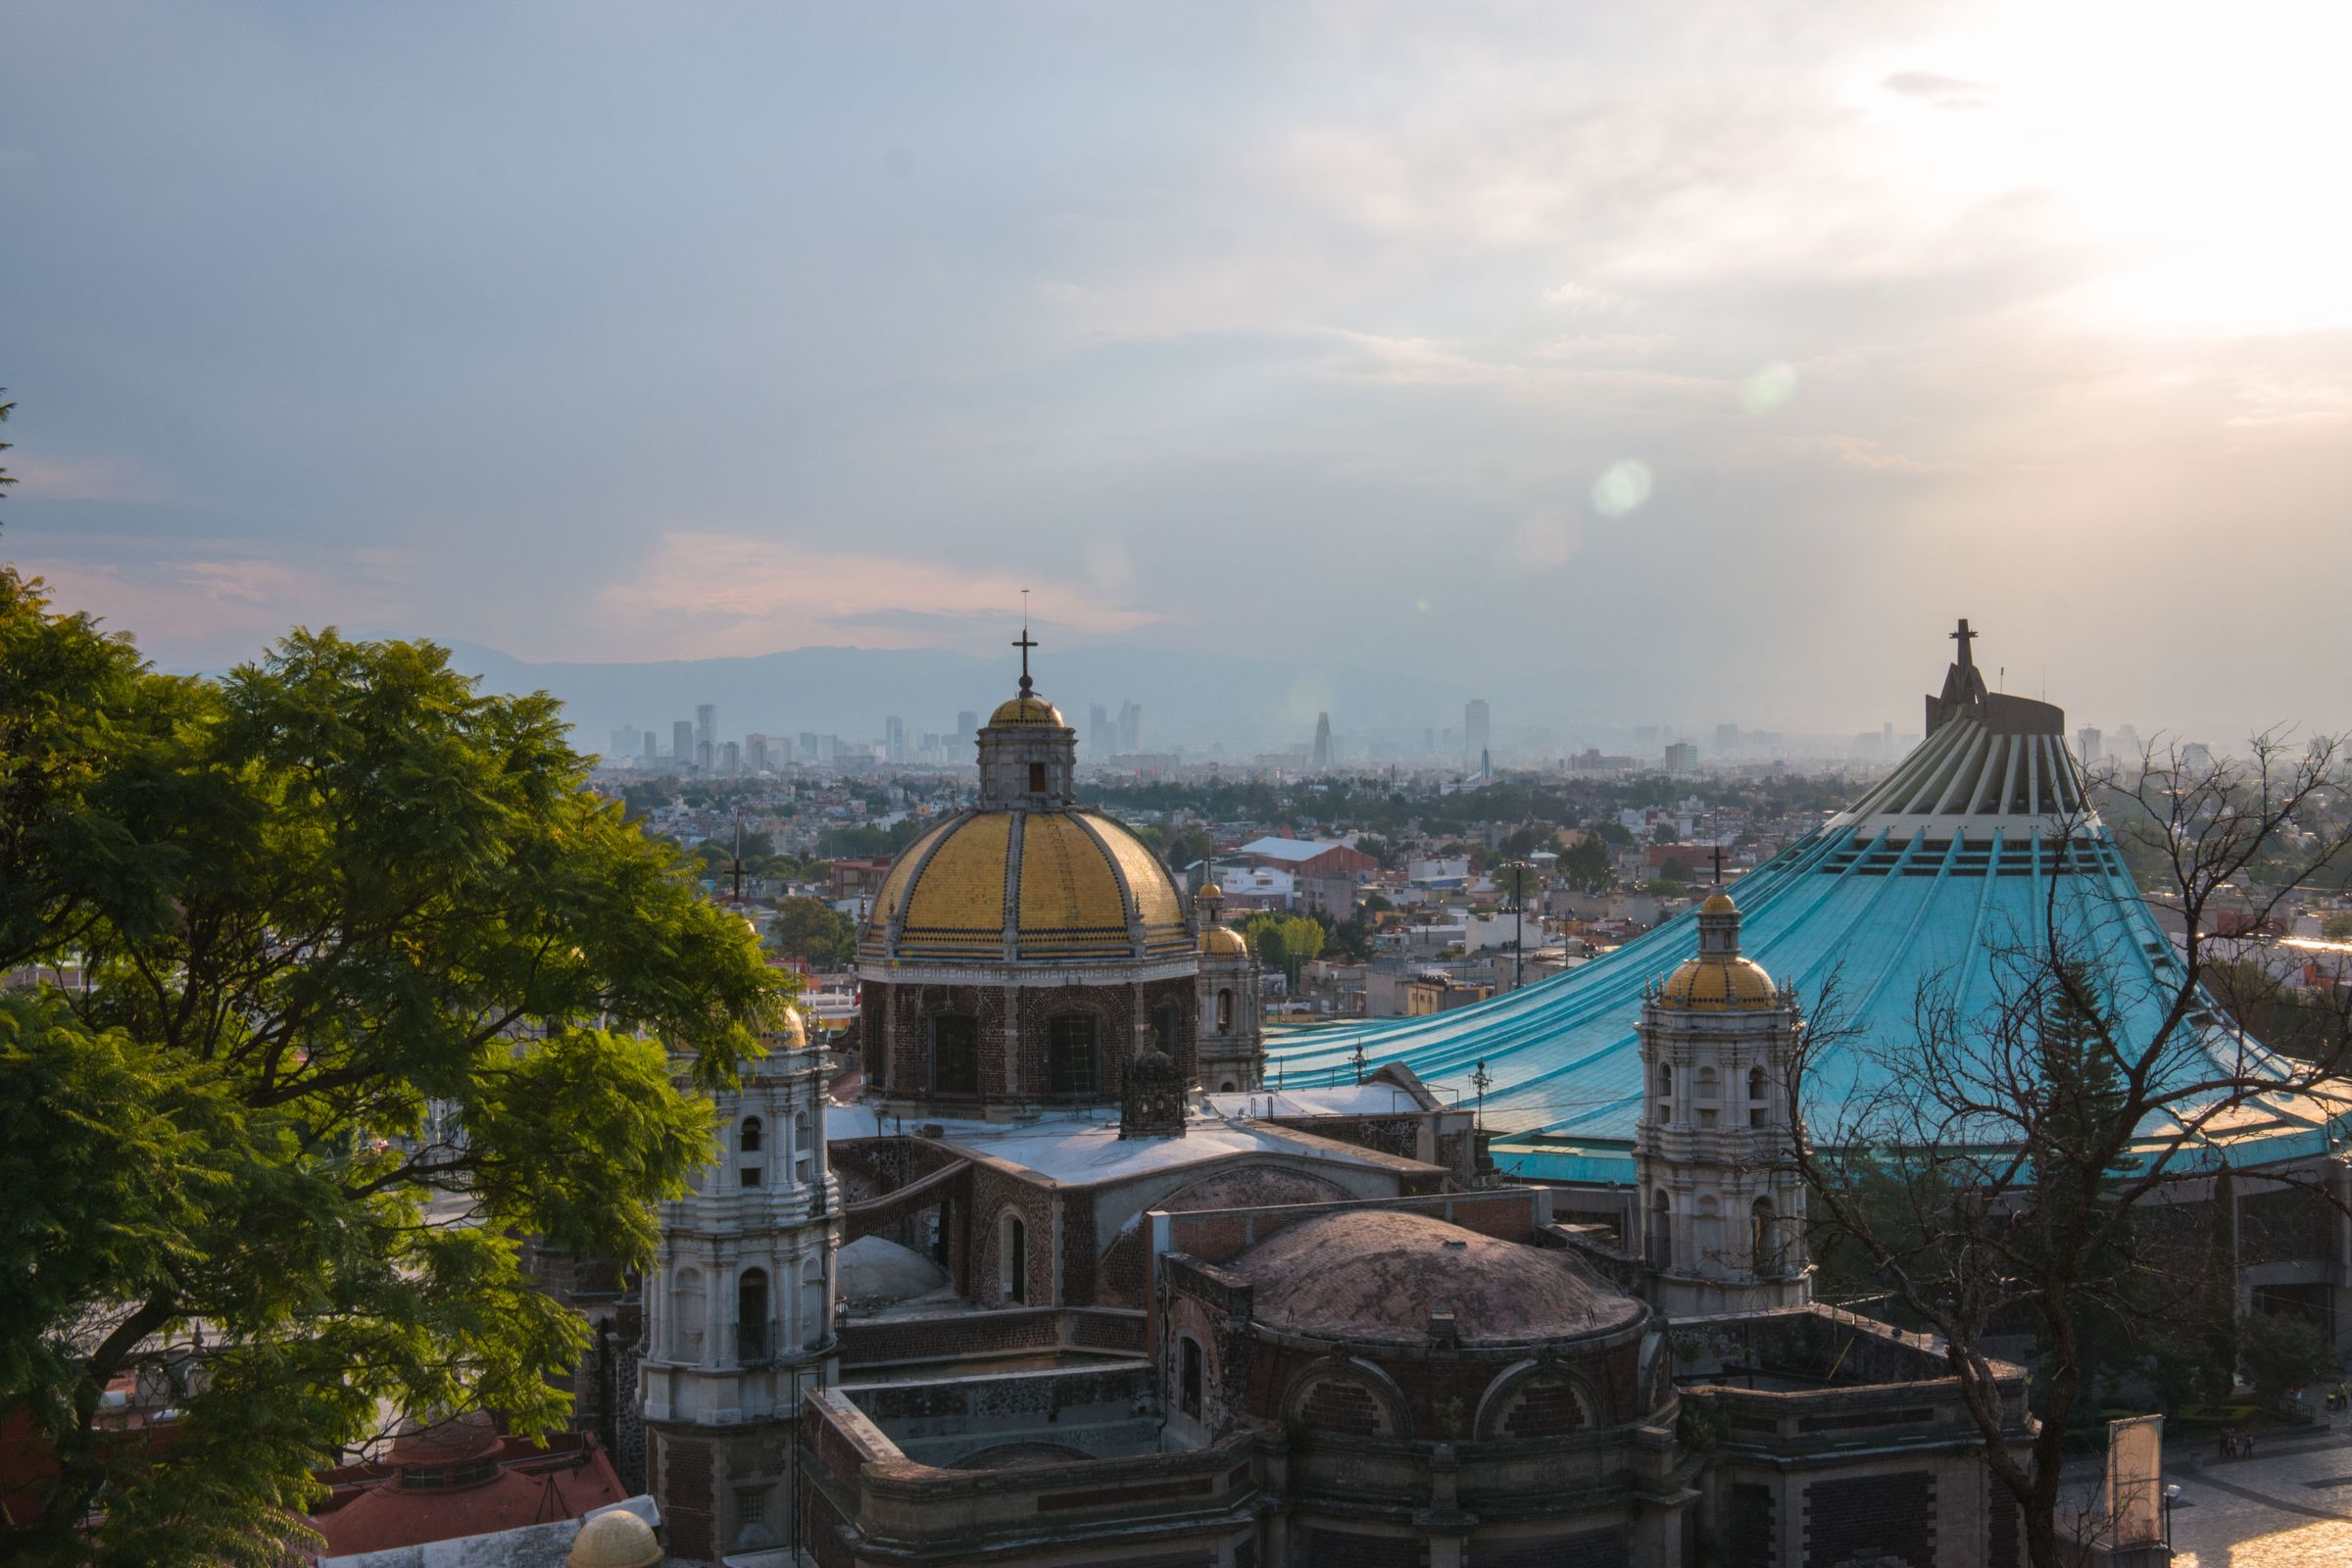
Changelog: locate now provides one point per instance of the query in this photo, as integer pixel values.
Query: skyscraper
(681, 743)
(2089, 744)
(652, 746)
(1098, 732)
(1322, 757)
(754, 754)
(894, 738)
(1477, 732)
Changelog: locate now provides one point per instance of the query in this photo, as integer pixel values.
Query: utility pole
(1479, 1081)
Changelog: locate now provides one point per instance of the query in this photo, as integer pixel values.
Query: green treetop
(311, 897)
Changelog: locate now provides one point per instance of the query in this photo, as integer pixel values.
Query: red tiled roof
(388, 1515)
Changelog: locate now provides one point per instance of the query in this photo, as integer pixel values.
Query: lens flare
(1624, 486)
(1771, 386)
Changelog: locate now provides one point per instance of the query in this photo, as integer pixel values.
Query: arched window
(686, 1309)
(954, 1054)
(1661, 1229)
(1705, 1094)
(747, 1169)
(1036, 778)
(803, 1153)
(1167, 1020)
(1189, 1379)
(1012, 1258)
(1225, 1010)
(1070, 1055)
(749, 1140)
(1706, 1083)
(1763, 1236)
(753, 1338)
(1665, 1090)
(1757, 1111)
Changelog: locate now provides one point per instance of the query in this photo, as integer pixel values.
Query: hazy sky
(1715, 356)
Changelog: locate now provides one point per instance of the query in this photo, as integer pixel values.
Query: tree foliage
(2285, 1350)
(814, 932)
(318, 900)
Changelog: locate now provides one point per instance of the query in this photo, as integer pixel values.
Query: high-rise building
(1682, 758)
(1727, 739)
(651, 746)
(1130, 738)
(967, 731)
(624, 741)
(807, 746)
(681, 743)
(1098, 739)
(894, 738)
(706, 756)
(706, 727)
(1477, 730)
(2090, 746)
(1322, 757)
(754, 754)
(730, 758)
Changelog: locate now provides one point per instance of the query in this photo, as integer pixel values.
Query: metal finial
(1025, 643)
(1963, 636)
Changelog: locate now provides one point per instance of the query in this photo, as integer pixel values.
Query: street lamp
(1518, 923)
(2171, 1494)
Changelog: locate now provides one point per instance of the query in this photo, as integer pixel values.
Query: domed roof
(1224, 940)
(1061, 884)
(1377, 1274)
(613, 1539)
(1712, 984)
(1026, 709)
(1209, 890)
(1720, 904)
(447, 1440)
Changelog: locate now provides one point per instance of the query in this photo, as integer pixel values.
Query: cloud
(1938, 90)
(703, 593)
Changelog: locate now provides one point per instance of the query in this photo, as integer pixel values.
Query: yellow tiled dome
(1026, 709)
(1224, 940)
(1720, 985)
(1062, 883)
(1720, 904)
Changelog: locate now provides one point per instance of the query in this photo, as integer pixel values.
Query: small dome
(1720, 904)
(613, 1539)
(1709, 984)
(448, 1439)
(1026, 709)
(1224, 940)
(1209, 890)
(1376, 1274)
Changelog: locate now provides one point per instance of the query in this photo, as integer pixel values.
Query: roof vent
(1444, 1332)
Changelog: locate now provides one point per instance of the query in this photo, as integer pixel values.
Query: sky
(1713, 355)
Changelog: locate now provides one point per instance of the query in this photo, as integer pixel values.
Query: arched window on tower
(1758, 1114)
(753, 1338)
(1706, 1241)
(803, 1153)
(1665, 1090)
(1225, 1010)
(1036, 778)
(1763, 1238)
(748, 1143)
(1661, 1230)
(814, 1326)
(1706, 1096)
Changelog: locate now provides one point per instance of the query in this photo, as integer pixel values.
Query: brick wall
(686, 1485)
(1747, 1533)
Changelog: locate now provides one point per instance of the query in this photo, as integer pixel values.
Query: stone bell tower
(739, 1313)
(1723, 1206)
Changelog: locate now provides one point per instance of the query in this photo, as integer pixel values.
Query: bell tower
(1723, 1206)
(739, 1312)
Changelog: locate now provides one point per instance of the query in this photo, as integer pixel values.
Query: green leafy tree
(1613, 833)
(1517, 881)
(1676, 869)
(6, 409)
(1587, 866)
(2285, 1350)
(1301, 944)
(317, 900)
(814, 932)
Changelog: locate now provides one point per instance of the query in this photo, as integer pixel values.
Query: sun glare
(2192, 155)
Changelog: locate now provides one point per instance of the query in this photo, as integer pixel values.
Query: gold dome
(614, 1539)
(1209, 890)
(1720, 985)
(1068, 884)
(1720, 904)
(1223, 941)
(1026, 709)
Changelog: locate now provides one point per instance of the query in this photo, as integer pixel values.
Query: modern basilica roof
(1916, 889)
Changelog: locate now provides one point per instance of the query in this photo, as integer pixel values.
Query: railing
(755, 1343)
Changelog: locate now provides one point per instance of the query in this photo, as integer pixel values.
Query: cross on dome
(1963, 636)
(1025, 642)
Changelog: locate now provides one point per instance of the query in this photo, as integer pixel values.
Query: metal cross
(1964, 637)
(1025, 642)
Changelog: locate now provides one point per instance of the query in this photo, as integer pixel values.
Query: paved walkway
(2290, 1506)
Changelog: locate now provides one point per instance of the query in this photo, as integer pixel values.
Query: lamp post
(2171, 1494)
(1518, 924)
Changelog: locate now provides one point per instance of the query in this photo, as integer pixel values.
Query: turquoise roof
(1920, 887)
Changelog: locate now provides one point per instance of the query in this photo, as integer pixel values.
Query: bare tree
(2042, 1160)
